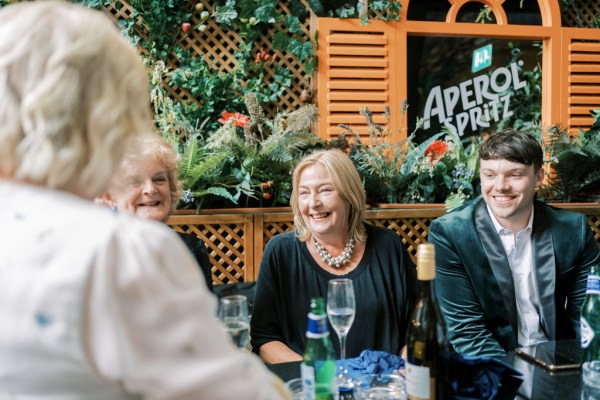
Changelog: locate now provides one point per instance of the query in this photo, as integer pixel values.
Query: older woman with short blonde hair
(148, 185)
(331, 240)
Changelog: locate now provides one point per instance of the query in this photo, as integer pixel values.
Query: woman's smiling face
(323, 210)
(145, 190)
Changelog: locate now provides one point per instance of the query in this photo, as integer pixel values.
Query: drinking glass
(233, 312)
(380, 387)
(341, 308)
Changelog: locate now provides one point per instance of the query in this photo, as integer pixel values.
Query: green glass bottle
(426, 343)
(590, 317)
(318, 365)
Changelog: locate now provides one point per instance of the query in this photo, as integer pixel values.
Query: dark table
(286, 371)
(538, 383)
(541, 384)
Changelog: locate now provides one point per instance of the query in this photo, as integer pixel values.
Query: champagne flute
(341, 308)
(233, 312)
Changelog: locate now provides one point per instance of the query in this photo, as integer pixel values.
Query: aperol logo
(482, 58)
(482, 99)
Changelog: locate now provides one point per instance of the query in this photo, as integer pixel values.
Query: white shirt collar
(500, 228)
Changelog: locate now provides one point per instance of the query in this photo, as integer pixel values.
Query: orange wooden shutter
(357, 67)
(581, 77)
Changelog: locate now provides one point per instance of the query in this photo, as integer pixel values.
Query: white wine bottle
(427, 347)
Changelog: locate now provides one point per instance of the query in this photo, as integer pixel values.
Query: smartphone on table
(554, 356)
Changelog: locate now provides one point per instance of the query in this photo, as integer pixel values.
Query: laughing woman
(331, 240)
(148, 186)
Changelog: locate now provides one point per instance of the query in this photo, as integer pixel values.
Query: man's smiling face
(508, 188)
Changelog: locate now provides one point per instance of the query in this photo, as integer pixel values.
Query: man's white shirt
(519, 253)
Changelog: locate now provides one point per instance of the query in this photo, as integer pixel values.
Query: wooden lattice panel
(218, 46)
(581, 15)
(413, 231)
(225, 241)
(594, 221)
(236, 241)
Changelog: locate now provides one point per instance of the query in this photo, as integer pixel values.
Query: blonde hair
(347, 183)
(73, 96)
(153, 147)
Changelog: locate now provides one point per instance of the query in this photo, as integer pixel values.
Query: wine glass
(341, 307)
(233, 312)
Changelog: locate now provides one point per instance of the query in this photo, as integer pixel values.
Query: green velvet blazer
(474, 283)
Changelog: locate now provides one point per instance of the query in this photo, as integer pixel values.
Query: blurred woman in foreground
(94, 305)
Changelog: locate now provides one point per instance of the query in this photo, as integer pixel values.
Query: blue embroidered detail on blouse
(42, 319)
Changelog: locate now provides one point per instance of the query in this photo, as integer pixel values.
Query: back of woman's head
(73, 95)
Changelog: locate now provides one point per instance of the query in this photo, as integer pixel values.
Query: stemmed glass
(233, 312)
(341, 307)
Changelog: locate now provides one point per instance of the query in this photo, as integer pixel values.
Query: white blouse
(95, 305)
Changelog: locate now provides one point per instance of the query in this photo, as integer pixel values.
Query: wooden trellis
(235, 242)
(218, 46)
(582, 14)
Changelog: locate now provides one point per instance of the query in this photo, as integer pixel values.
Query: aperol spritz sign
(474, 103)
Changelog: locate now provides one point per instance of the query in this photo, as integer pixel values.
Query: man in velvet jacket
(511, 271)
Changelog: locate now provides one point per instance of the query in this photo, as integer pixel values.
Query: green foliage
(576, 161)
(386, 10)
(249, 164)
(526, 103)
(440, 168)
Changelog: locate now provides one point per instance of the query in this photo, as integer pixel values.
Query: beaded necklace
(335, 261)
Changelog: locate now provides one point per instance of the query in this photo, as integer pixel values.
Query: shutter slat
(584, 100)
(578, 89)
(584, 78)
(353, 119)
(577, 68)
(358, 73)
(585, 46)
(356, 38)
(581, 110)
(358, 84)
(584, 57)
(358, 51)
(581, 121)
(357, 96)
(357, 62)
(355, 107)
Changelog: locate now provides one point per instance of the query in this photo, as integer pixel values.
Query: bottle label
(317, 326)
(587, 333)
(308, 381)
(593, 284)
(417, 382)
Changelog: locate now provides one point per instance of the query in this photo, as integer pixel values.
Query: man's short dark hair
(512, 145)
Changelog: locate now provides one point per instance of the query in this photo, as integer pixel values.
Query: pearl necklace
(335, 261)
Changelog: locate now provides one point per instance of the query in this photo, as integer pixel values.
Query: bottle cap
(425, 262)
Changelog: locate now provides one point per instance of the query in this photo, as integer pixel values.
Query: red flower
(237, 118)
(436, 150)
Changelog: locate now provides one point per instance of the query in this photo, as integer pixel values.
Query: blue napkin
(372, 362)
(470, 377)
(482, 378)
